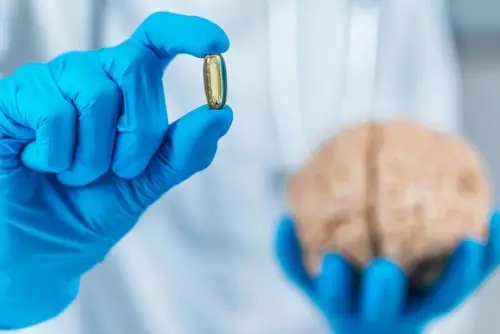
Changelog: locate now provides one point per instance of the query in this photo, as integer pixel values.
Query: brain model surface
(394, 189)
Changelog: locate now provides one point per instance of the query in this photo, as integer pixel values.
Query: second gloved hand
(85, 148)
(379, 300)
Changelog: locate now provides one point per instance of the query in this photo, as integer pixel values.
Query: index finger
(169, 34)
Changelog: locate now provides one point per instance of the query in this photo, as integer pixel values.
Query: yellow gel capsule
(215, 80)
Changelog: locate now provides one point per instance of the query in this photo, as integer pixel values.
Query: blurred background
(477, 35)
(476, 25)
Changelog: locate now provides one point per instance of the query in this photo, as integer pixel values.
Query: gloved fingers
(169, 34)
(38, 104)
(335, 287)
(461, 275)
(143, 121)
(13, 139)
(137, 66)
(189, 146)
(161, 37)
(493, 246)
(98, 104)
(383, 292)
(290, 257)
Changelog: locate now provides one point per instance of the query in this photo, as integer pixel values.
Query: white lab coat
(201, 261)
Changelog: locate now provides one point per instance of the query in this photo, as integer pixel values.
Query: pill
(215, 80)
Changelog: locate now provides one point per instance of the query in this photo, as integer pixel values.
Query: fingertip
(289, 254)
(216, 40)
(222, 44)
(493, 247)
(494, 227)
(495, 220)
(383, 283)
(79, 176)
(473, 250)
(471, 243)
(53, 149)
(225, 43)
(475, 262)
(190, 144)
(213, 40)
(71, 179)
(334, 265)
(385, 269)
(170, 33)
(40, 158)
(206, 120)
(287, 220)
(287, 244)
(127, 172)
(335, 285)
(226, 117)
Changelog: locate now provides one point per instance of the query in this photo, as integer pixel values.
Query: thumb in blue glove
(85, 148)
(189, 147)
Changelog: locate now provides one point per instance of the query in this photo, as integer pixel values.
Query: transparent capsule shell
(215, 80)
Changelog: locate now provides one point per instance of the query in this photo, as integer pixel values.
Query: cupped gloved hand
(379, 300)
(85, 148)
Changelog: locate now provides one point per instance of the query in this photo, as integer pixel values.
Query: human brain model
(393, 189)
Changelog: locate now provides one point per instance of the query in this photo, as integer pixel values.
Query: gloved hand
(85, 148)
(379, 301)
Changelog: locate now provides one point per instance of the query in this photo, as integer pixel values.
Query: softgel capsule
(215, 80)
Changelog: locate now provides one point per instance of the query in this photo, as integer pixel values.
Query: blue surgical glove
(379, 300)
(85, 148)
